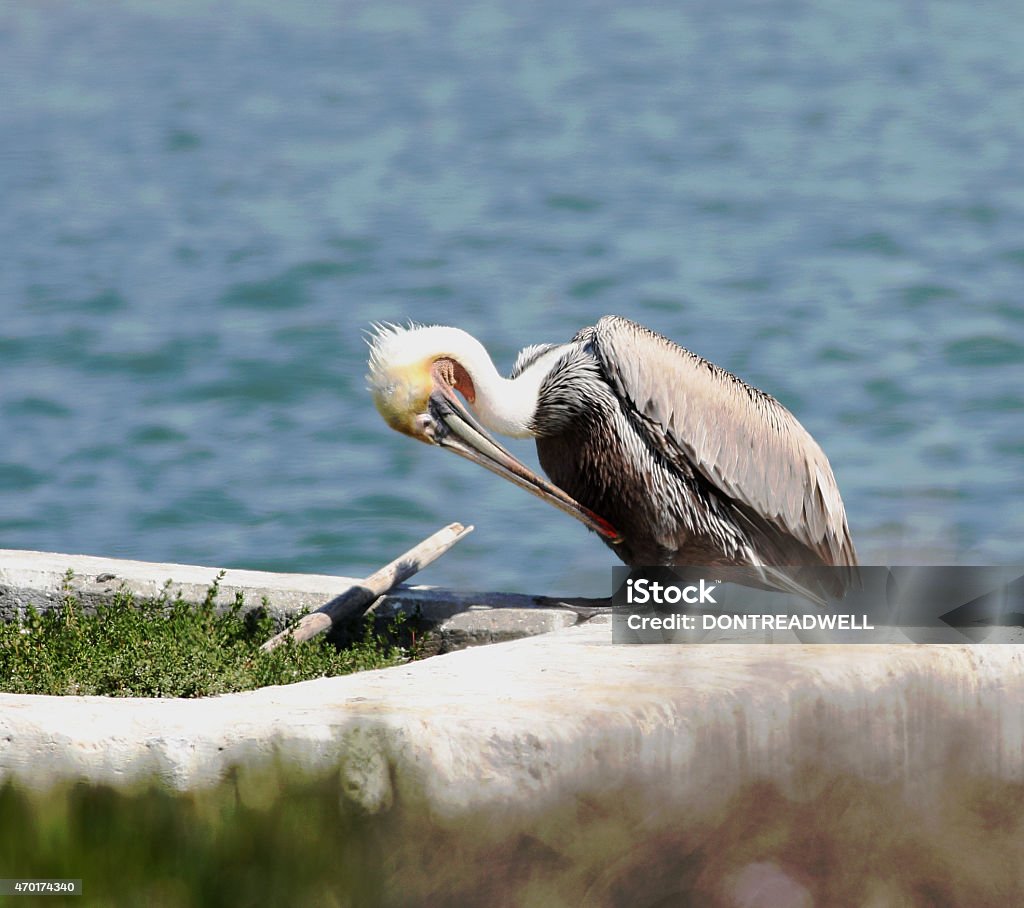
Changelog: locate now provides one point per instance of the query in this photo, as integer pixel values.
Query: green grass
(271, 835)
(166, 647)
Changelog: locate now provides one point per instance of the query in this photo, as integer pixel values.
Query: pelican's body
(671, 459)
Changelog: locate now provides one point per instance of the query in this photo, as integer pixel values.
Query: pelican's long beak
(458, 430)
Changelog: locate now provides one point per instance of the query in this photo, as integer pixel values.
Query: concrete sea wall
(561, 769)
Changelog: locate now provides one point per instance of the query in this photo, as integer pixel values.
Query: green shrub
(165, 647)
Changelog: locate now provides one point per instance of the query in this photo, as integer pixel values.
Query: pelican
(669, 458)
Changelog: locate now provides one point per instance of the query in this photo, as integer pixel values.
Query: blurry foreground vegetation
(267, 836)
(166, 647)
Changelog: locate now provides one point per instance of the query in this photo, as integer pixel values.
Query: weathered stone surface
(464, 619)
(38, 579)
(564, 770)
(483, 624)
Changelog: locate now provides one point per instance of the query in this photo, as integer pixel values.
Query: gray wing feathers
(528, 356)
(740, 439)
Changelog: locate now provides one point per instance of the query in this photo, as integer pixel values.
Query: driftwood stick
(357, 599)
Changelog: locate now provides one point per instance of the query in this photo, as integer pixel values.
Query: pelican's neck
(504, 405)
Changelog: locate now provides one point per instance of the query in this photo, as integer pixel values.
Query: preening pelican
(669, 458)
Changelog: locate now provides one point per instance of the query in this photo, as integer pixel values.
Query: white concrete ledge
(564, 770)
(459, 619)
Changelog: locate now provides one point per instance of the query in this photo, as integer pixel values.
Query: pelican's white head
(408, 365)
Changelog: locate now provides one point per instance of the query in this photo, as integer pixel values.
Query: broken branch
(358, 598)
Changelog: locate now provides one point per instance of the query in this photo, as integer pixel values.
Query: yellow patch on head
(400, 378)
(400, 394)
(407, 365)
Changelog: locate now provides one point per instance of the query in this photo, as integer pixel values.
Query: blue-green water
(203, 208)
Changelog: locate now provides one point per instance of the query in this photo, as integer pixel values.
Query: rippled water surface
(205, 206)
